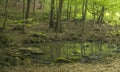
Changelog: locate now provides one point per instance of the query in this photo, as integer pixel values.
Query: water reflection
(72, 50)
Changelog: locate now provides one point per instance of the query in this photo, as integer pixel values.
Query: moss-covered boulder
(38, 34)
(5, 40)
(8, 57)
(31, 51)
(85, 59)
(36, 37)
(21, 56)
(116, 51)
(62, 60)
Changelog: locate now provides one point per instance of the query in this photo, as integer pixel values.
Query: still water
(72, 50)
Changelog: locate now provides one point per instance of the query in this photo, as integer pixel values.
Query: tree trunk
(15, 4)
(84, 10)
(51, 23)
(27, 13)
(101, 16)
(27, 9)
(70, 11)
(68, 4)
(23, 13)
(34, 2)
(6, 15)
(75, 9)
(58, 27)
(93, 13)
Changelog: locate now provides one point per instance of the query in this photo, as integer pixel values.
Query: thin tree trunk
(56, 5)
(58, 27)
(84, 10)
(34, 2)
(51, 23)
(101, 16)
(27, 13)
(15, 4)
(93, 13)
(75, 9)
(68, 4)
(6, 15)
(70, 11)
(27, 9)
(23, 13)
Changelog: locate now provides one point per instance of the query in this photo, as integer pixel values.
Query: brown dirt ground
(109, 65)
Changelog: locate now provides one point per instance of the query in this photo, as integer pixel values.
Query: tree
(16, 1)
(6, 15)
(27, 9)
(51, 22)
(23, 13)
(101, 15)
(34, 2)
(27, 13)
(84, 9)
(68, 10)
(75, 9)
(58, 27)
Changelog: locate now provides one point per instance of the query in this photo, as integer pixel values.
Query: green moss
(37, 34)
(62, 60)
(31, 50)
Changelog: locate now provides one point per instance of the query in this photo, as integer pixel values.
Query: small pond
(72, 50)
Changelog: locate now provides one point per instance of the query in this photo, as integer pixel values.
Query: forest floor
(110, 64)
(72, 31)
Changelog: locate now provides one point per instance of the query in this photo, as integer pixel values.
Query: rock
(116, 51)
(34, 51)
(17, 28)
(5, 40)
(85, 59)
(62, 60)
(38, 34)
(76, 53)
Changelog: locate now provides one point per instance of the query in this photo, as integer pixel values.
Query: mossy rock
(86, 59)
(34, 51)
(96, 57)
(38, 34)
(18, 28)
(5, 40)
(32, 40)
(116, 51)
(8, 60)
(63, 60)
(75, 58)
(12, 57)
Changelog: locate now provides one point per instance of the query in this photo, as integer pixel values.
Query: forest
(59, 35)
